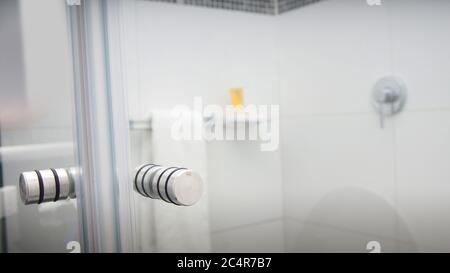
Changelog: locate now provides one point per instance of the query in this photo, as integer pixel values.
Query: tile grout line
(396, 223)
(347, 230)
(267, 221)
(280, 137)
(354, 114)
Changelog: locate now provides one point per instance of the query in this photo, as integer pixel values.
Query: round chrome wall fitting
(389, 95)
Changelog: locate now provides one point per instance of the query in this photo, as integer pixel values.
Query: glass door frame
(103, 188)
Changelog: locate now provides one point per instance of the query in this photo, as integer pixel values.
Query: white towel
(180, 228)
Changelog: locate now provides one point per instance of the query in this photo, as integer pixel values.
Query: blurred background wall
(36, 116)
(338, 180)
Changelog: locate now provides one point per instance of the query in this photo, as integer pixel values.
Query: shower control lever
(388, 97)
(50, 185)
(179, 186)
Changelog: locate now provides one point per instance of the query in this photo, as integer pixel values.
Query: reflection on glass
(35, 122)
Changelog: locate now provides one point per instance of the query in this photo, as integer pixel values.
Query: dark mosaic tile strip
(272, 7)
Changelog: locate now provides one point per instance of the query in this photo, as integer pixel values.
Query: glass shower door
(363, 93)
(57, 173)
(37, 128)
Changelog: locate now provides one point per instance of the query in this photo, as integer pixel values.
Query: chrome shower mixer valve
(179, 186)
(388, 97)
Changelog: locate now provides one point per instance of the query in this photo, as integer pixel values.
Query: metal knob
(179, 186)
(49, 185)
(388, 97)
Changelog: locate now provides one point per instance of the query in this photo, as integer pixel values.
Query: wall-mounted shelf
(228, 120)
(236, 118)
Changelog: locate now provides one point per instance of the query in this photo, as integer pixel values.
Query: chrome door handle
(179, 186)
(50, 185)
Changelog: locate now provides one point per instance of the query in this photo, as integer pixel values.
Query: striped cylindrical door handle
(50, 185)
(176, 185)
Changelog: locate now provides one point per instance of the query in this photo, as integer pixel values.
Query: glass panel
(36, 123)
(356, 160)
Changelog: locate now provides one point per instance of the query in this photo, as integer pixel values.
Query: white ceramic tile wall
(245, 185)
(343, 176)
(421, 54)
(193, 51)
(338, 170)
(423, 176)
(332, 53)
(341, 171)
(183, 55)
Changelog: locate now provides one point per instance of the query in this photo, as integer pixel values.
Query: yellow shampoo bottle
(237, 97)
